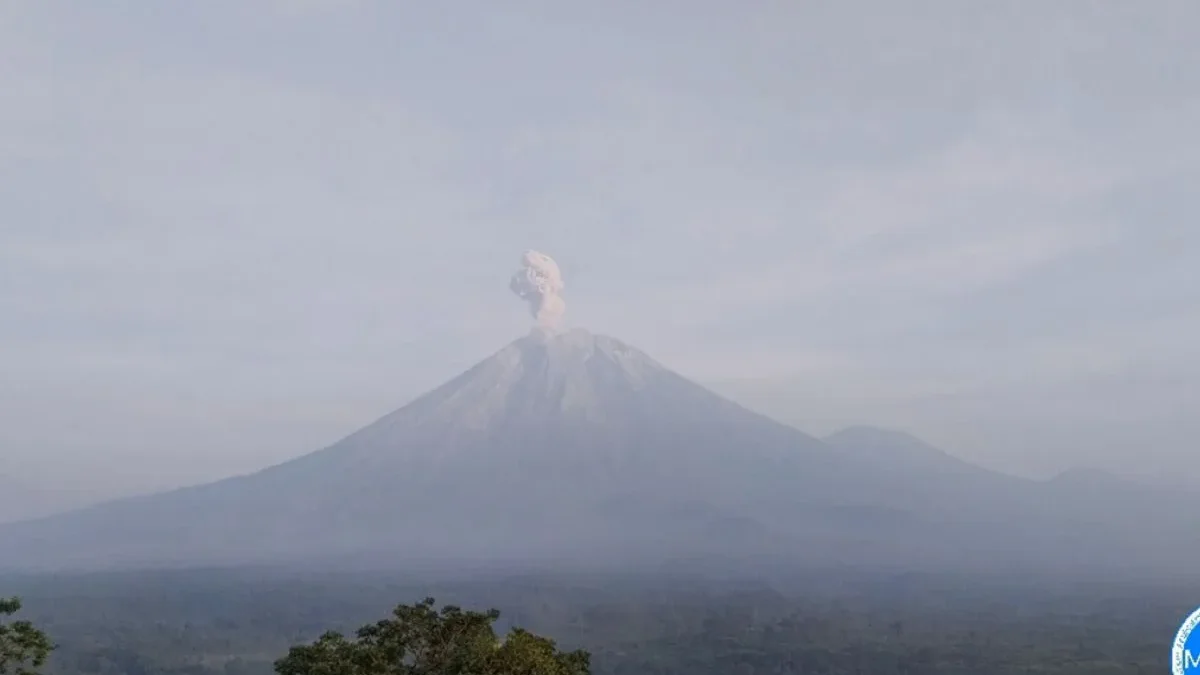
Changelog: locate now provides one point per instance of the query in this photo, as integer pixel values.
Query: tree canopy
(23, 647)
(420, 640)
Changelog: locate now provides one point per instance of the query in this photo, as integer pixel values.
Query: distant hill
(577, 449)
(934, 475)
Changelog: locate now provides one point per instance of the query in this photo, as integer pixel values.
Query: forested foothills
(212, 623)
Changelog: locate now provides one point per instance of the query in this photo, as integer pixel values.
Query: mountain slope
(579, 449)
(937, 475)
(552, 444)
(894, 447)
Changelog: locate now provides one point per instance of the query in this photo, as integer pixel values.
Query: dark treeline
(239, 623)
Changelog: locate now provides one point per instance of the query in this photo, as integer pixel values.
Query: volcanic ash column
(539, 283)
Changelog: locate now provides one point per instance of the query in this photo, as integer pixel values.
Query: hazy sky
(233, 231)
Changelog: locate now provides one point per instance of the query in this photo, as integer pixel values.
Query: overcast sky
(233, 231)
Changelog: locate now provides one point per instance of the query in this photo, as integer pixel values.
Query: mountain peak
(575, 346)
(541, 375)
(542, 383)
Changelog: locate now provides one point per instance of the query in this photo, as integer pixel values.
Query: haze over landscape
(235, 232)
(665, 338)
(581, 452)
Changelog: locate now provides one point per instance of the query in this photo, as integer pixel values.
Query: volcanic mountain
(570, 448)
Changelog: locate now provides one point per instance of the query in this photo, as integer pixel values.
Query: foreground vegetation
(225, 623)
(420, 640)
(23, 646)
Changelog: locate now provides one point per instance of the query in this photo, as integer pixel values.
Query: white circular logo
(1185, 656)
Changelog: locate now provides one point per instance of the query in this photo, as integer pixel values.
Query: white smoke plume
(539, 283)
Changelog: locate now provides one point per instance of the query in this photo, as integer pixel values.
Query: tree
(420, 640)
(23, 648)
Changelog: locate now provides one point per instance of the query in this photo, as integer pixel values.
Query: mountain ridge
(551, 426)
(578, 446)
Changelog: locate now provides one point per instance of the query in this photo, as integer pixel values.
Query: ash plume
(540, 283)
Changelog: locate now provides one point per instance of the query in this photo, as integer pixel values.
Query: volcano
(571, 448)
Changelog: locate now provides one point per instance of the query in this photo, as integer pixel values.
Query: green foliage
(23, 648)
(419, 640)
